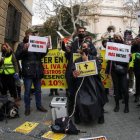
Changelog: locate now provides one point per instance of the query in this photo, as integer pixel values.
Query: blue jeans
(37, 86)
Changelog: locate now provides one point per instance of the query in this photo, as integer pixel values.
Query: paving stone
(117, 126)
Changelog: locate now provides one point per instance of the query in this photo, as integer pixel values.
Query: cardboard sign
(54, 64)
(38, 44)
(118, 52)
(26, 128)
(49, 44)
(87, 68)
(53, 136)
(75, 56)
(94, 138)
(106, 79)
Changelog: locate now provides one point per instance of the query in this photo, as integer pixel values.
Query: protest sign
(106, 79)
(49, 43)
(87, 68)
(26, 127)
(54, 70)
(117, 52)
(94, 138)
(53, 136)
(38, 44)
(75, 56)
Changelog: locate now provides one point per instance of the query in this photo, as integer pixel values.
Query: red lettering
(43, 83)
(64, 66)
(55, 66)
(112, 48)
(111, 54)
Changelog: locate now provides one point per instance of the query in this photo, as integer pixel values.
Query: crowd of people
(86, 95)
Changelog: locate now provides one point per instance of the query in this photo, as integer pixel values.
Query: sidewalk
(117, 126)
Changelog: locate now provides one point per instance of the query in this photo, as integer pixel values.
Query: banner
(54, 70)
(38, 44)
(106, 79)
(118, 52)
(87, 68)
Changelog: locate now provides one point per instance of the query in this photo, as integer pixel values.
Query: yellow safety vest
(8, 67)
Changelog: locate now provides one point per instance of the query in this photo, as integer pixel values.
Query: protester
(90, 98)
(70, 48)
(119, 76)
(8, 72)
(32, 72)
(128, 38)
(134, 65)
(109, 33)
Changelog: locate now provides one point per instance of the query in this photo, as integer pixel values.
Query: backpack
(10, 109)
(64, 125)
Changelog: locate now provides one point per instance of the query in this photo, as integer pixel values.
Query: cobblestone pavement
(117, 126)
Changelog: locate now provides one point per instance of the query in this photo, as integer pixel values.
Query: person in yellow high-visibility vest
(134, 66)
(8, 71)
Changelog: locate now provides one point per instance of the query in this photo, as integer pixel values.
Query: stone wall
(25, 19)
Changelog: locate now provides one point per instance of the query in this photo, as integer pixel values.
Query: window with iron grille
(13, 21)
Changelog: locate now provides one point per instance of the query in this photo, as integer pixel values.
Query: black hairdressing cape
(91, 97)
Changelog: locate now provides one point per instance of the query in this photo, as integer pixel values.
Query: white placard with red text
(117, 52)
(49, 44)
(37, 44)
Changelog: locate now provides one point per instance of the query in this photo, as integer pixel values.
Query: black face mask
(81, 36)
(25, 40)
(3, 50)
(86, 51)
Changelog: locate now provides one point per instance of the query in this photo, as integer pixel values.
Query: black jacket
(31, 62)
(91, 97)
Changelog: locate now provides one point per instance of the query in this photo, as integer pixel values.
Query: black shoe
(116, 109)
(101, 120)
(138, 105)
(126, 109)
(136, 100)
(41, 109)
(51, 94)
(27, 112)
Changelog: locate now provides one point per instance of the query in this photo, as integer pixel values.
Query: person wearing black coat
(118, 72)
(70, 49)
(90, 98)
(32, 72)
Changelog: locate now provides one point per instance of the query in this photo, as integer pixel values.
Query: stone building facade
(15, 18)
(109, 12)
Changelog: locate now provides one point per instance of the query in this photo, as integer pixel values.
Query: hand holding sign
(76, 73)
